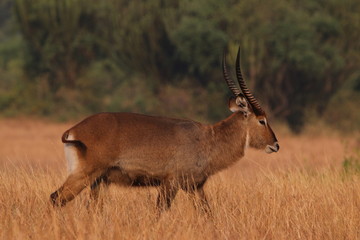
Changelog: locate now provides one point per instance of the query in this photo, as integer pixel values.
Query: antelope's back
(137, 140)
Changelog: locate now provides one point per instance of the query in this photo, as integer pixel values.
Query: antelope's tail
(68, 138)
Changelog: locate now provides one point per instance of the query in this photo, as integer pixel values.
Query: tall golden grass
(299, 193)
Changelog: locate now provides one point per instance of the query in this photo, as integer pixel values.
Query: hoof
(54, 198)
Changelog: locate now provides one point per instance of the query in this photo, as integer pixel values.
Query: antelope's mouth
(272, 148)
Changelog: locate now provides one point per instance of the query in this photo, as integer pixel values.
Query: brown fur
(139, 150)
(136, 150)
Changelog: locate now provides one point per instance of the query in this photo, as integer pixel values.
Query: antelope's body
(139, 150)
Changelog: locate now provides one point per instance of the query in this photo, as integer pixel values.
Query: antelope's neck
(228, 140)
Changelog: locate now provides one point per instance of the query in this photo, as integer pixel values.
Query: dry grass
(298, 193)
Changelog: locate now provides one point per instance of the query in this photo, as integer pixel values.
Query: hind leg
(74, 184)
(96, 185)
(112, 175)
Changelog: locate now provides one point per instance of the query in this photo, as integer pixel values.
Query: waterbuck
(140, 150)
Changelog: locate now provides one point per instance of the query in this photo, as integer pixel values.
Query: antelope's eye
(262, 122)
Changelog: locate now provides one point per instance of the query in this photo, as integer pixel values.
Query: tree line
(71, 56)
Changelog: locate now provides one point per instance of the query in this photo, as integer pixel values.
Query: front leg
(167, 193)
(204, 203)
(199, 198)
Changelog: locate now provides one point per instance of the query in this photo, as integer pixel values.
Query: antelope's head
(260, 134)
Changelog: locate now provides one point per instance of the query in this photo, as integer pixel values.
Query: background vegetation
(69, 58)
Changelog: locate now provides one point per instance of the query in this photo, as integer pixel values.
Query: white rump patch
(71, 156)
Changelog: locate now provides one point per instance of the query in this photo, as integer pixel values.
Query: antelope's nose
(277, 146)
(273, 148)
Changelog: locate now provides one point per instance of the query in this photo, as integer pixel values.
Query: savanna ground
(301, 192)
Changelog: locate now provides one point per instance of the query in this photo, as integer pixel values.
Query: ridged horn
(251, 99)
(231, 84)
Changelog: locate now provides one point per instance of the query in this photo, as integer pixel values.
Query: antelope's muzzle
(272, 148)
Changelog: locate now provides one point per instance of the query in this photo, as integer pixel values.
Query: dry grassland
(299, 193)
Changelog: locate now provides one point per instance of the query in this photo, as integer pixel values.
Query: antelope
(174, 154)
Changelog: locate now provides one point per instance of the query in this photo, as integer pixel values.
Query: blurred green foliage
(352, 164)
(71, 57)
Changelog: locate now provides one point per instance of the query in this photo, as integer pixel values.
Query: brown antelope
(140, 150)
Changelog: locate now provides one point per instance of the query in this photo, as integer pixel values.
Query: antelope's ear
(239, 104)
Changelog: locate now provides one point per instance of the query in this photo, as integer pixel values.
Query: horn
(231, 84)
(251, 99)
